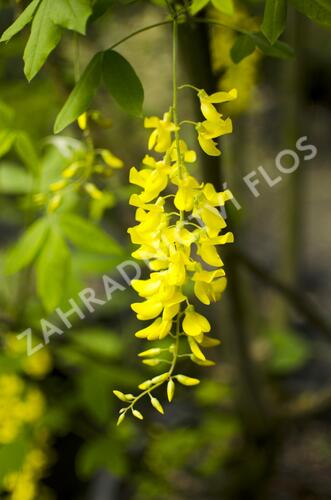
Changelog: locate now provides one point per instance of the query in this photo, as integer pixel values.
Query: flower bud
(170, 390)
(137, 414)
(183, 379)
(157, 405)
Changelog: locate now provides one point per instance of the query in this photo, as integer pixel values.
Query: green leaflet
(52, 269)
(48, 20)
(71, 14)
(225, 6)
(82, 94)
(20, 22)
(27, 247)
(44, 37)
(14, 179)
(87, 236)
(274, 19)
(123, 82)
(279, 49)
(317, 10)
(198, 5)
(120, 79)
(243, 47)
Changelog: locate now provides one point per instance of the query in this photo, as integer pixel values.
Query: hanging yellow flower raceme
(178, 234)
(85, 165)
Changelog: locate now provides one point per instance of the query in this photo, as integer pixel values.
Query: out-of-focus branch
(301, 302)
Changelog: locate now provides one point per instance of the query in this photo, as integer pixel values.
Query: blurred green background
(258, 425)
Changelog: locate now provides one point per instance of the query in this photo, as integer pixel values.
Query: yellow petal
(202, 292)
(149, 330)
(219, 97)
(147, 310)
(196, 349)
(208, 146)
(209, 254)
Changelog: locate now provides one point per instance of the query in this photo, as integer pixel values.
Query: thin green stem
(219, 23)
(188, 122)
(174, 100)
(141, 30)
(188, 86)
(179, 21)
(176, 347)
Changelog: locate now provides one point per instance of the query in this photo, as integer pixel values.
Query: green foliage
(224, 6)
(87, 236)
(243, 47)
(82, 94)
(14, 180)
(52, 269)
(98, 342)
(48, 20)
(123, 83)
(198, 5)
(274, 19)
(27, 247)
(279, 49)
(316, 10)
(120, 79)
(20, 23)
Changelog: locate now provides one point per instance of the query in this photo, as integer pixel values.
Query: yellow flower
(187, 188)
(214, 125)
(206, 102)
(209, 285)
(194, 323)
(160, 139)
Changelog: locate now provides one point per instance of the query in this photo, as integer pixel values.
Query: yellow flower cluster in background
(179, 229)
(242, 75)
(78, 175)
(22, 406)
(23, 485)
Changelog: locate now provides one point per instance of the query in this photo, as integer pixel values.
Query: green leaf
(198, 5)
(317, 10)
(225, 6)
(98, 341)
(26, 151)
(243, 47)
(274, 19)
(44, 37)
(14, 180)
(123, 82)
(20, 22)
(51, 269)
(87, 236)
(71, 14)
(82, 94)
(7, 138)
(27, 247)
(280, 50)
(99, 8)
